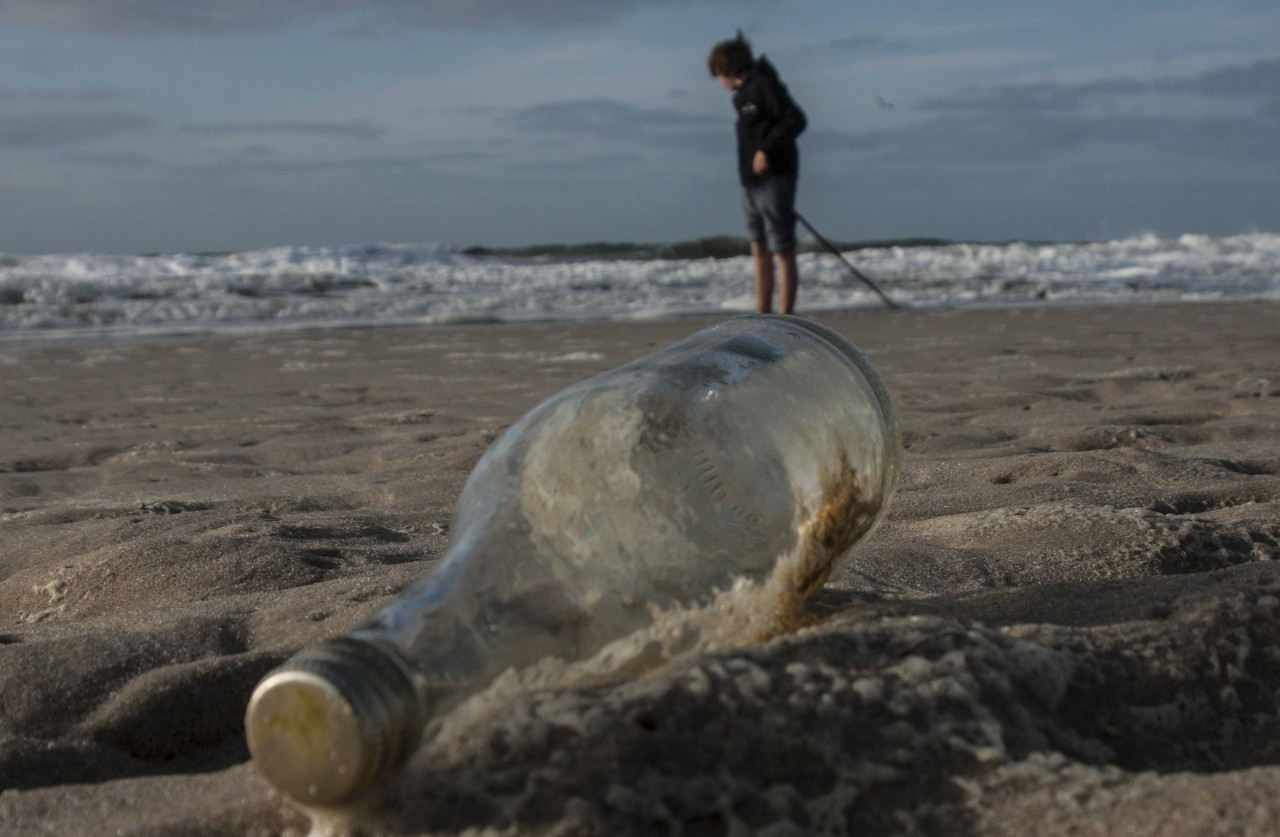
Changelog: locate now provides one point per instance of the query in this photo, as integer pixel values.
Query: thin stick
(857, 273)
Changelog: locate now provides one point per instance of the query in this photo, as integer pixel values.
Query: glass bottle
(761, 449)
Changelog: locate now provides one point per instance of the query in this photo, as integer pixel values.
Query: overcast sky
(182, 125)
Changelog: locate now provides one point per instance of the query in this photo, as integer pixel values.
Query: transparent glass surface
(653, 486)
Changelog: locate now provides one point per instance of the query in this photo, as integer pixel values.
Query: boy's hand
(760, 163)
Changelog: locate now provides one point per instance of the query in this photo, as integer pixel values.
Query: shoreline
(35, 340)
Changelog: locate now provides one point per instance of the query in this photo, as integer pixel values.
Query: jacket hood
(764, 68)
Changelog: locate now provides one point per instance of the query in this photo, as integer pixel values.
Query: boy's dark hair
(731, 58)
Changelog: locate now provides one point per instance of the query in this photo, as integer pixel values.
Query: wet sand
(1069, 623)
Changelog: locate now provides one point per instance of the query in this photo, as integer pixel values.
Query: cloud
(868, 43)
(110, 159)
(87, 96)
(1238, 138)
(44, 128)
(1011, 138)
(170, 17)
(961, 140)
(825, 140)
(264, 164)
(613, 121)
(1261, 78)
(458, 155)
(590, 163)
(1258, 79)
(1036, 121)
(356, 128)
(1033, 97)
(160, 17)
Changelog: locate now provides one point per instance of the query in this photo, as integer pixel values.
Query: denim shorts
(770, 210)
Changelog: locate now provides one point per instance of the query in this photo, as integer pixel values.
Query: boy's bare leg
(788, 280)
(764, 276)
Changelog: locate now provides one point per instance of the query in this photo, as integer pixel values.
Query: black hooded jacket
(768, 121)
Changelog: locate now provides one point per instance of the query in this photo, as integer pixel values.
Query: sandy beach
(1069, 622)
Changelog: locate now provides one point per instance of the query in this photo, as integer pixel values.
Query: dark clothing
(768, 121)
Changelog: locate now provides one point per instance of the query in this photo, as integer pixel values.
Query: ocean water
(84, 295)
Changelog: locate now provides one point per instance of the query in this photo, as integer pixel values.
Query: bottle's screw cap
(332, 720)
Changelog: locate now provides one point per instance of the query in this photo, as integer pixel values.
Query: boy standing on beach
(768, 165)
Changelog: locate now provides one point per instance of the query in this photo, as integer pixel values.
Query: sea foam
(87, 294)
